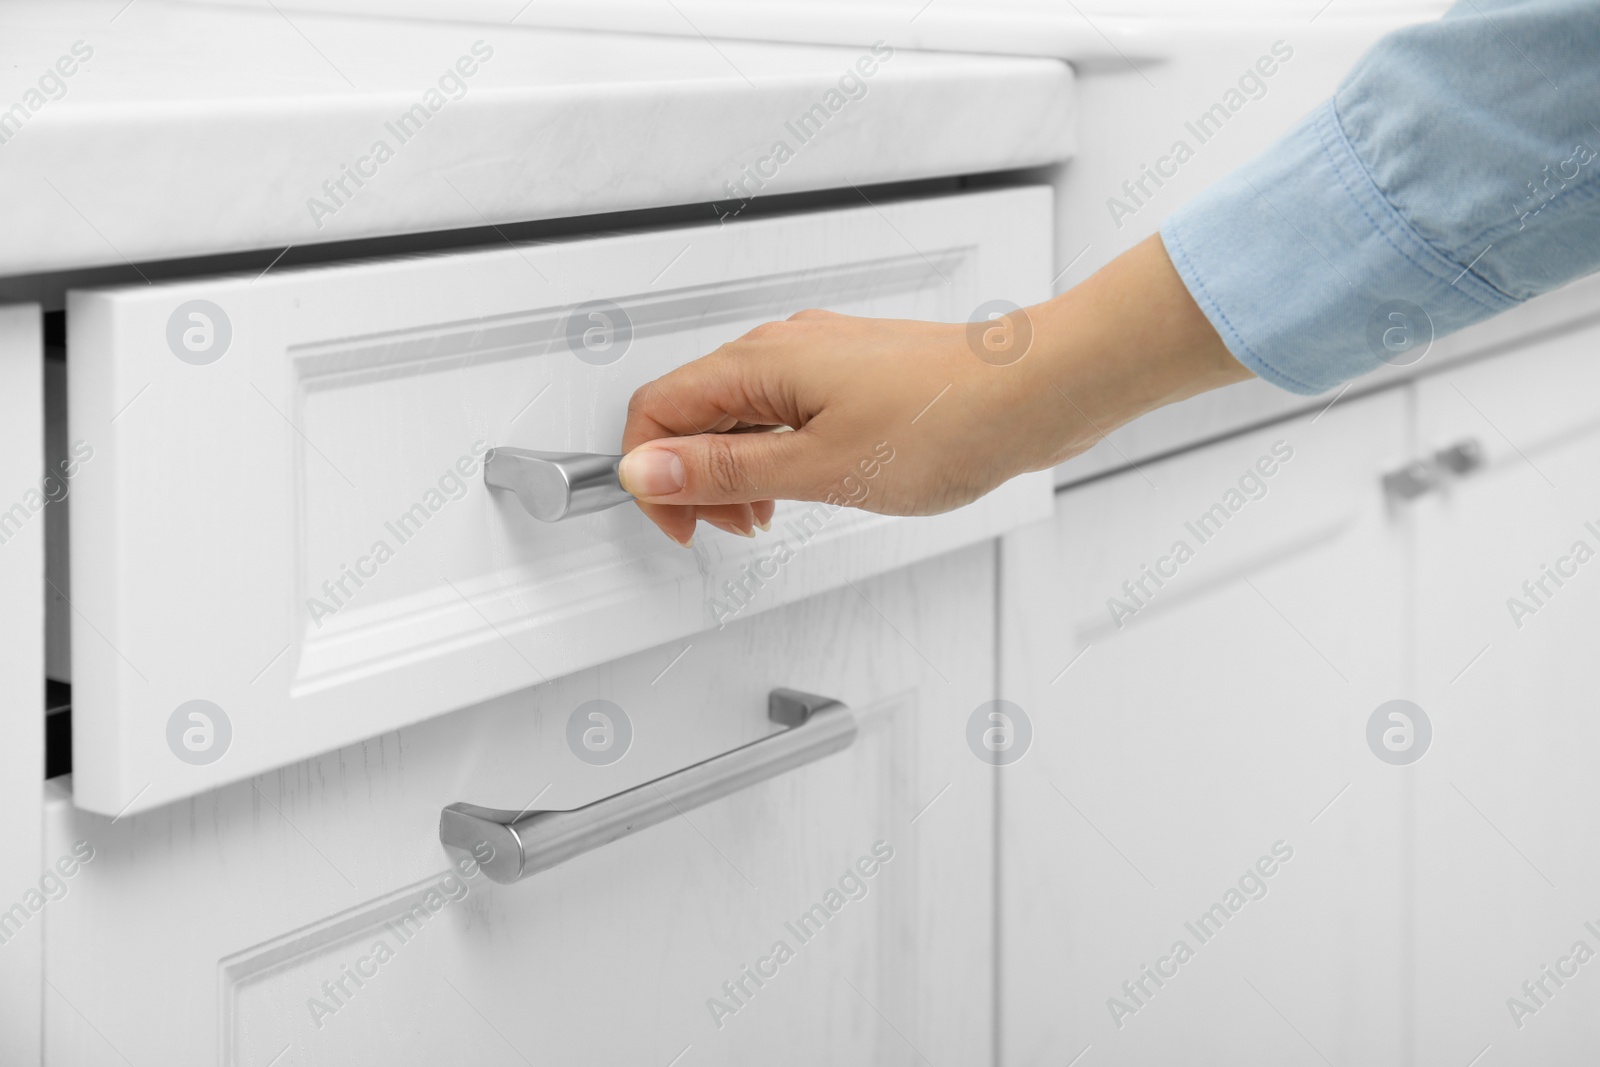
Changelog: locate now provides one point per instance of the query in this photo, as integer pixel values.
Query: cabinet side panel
(21, 678)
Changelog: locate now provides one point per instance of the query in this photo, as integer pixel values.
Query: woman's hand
(913, 418)
(855, 391)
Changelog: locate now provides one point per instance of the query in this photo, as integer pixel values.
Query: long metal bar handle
(556, 485)
(527, 842)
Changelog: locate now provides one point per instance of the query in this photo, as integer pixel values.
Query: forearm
(1126, 341)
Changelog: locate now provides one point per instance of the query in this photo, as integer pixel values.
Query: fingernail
(687, 542)
(651, 472)
(728, 527)
(766, 527)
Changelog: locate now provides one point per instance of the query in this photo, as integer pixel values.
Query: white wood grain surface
(227, 502)
(1508, 803)
(192, 130)
(202, 932)
(22, 593)
(1175, 747)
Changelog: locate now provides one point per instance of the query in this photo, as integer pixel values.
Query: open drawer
(282, 542)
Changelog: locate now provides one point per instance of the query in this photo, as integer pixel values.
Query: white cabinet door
(1201, 858)
(242, 926)
(286, 518)
(1508, 557)
(25, 888)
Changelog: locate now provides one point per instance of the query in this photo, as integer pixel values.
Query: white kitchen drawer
(220, 930)
(224, 494)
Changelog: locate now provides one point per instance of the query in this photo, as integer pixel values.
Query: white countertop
(195, 130)
(1088, 33)
(1091, 34)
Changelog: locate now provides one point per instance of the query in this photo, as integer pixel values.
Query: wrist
(1126, 341)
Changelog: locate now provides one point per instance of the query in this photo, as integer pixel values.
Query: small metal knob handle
(1411, 481)
(1463, 457)
(556, 485)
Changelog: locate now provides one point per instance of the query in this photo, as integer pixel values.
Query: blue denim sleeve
(1452, 176)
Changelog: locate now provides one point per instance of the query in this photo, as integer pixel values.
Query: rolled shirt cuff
(1308, 272)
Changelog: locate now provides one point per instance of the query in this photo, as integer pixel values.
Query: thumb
(723, 468)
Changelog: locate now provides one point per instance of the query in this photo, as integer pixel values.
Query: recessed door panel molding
(286, 519)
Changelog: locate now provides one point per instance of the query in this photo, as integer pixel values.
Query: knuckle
(639, 402)
(767, 331)
(723, 472)
(726, 361)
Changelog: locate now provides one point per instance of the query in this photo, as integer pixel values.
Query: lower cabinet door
(1201, 857)
(1508, 802)
(841, 912)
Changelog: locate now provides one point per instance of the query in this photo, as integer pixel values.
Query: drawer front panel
(286, 517)
(225, 929)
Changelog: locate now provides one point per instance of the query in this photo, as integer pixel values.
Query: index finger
(697, 398)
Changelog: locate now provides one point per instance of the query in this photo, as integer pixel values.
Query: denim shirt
(1454, 174)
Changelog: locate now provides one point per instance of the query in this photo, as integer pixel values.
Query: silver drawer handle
(527, 842)
(556, 485)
